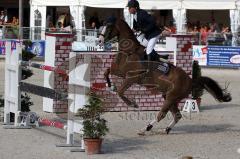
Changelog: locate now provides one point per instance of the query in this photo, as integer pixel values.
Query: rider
(145, 23)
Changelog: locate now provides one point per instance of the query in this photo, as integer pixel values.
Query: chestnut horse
(174, 85)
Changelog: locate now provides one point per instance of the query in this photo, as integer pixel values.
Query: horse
(175, 85)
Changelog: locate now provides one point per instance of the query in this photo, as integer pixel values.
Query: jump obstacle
(44, 67)
(32, 119)
(14, 86)
(13, 71)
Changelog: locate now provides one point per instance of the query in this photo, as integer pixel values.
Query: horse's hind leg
(176, 117)
(162, 114)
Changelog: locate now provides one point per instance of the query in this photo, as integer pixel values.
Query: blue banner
(223, 56)
(38, 48)
(2, 47)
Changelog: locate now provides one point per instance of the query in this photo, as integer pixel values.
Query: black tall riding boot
(157, 57)
(154, 56)
(149, 62)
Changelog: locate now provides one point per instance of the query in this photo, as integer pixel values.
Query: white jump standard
(13, 87)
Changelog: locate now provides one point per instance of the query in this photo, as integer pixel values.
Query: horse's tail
(213, 88)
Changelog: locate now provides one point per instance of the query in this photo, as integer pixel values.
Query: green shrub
(94, 126)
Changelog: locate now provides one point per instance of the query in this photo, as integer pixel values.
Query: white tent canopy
(53, 2)
(179, 8)
(145, 4)
(209, 4)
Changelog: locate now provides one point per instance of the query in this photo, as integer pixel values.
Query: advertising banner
(223, 56)
(38, 47)
(2, 47)
(200, 54)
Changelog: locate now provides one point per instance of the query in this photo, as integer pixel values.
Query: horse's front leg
(106, 76)
(113, 70)
(125, 85)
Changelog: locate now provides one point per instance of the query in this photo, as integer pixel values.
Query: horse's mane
(123, 23)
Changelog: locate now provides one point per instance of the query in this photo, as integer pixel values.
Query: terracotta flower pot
(92, 146)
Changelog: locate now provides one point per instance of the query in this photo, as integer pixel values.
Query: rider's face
(132, 10)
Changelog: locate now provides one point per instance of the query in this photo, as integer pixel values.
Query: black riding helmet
(133, 4)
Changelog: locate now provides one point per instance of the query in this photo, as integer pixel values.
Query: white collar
(135, 16)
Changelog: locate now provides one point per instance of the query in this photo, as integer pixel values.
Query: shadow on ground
(220, 106)
(201, 129)
(124, 145)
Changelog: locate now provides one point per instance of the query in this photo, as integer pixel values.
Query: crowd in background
(209, 33)
(62, 23)
(5, 20)
(8, 25)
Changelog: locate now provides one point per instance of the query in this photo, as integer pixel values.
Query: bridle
(113, 39)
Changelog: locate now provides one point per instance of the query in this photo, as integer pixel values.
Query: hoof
(134, 105)
(167, 130)
(107, 85)
(149, 127)
(141, 133)
(113, 88)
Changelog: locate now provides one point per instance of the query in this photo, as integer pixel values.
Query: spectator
(3, 17)
(227, 36)
(61, 19)
(51, 27)
(94, 22)
(60, 26)
(204, 34)
(195, 30)
(15, 21)
(48, 20)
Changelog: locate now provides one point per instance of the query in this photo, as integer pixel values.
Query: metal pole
(20, 36)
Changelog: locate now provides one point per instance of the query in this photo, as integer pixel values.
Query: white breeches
(151, 44)
(141, 38)
(148, 44)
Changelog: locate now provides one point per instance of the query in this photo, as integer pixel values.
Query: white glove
(101, 40)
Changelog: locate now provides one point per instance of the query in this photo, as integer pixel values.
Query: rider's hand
(101, 40)
(134, 30)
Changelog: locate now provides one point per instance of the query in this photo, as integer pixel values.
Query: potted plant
(197, 90)
(94, 126)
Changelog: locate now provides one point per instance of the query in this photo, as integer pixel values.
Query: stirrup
(163, 60)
